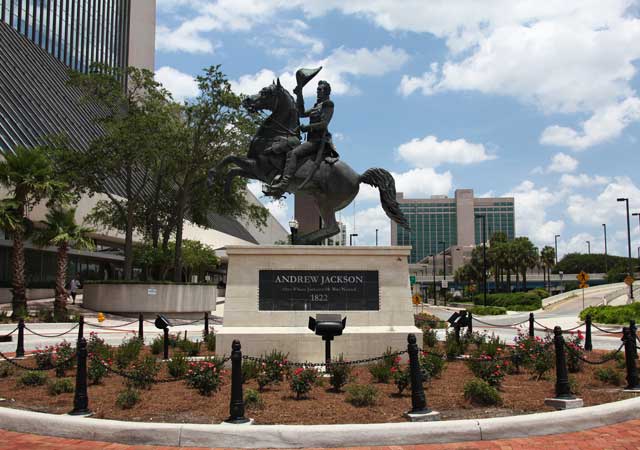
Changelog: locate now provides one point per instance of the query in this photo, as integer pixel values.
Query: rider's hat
(303, 76)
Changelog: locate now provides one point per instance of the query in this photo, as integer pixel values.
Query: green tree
(526, 257)
(139, 126)
(198, 259)
(30, 178)
(62, 231)
(548, 258)
(214, 125)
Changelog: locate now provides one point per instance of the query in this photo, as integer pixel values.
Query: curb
(296, 436)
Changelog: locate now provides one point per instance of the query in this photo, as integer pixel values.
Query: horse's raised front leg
(235, 172)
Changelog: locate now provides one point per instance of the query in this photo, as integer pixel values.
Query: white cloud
(180, 84)
(582, 180)
(367, 221)
(188, 37)
(604, 208)
(429, 152)
(338, 68)
(605, 124)
(562, 163)
(531, 204)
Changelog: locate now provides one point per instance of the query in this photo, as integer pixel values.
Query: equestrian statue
(278, 158)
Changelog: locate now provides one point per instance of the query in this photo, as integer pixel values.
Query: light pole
(293, 226)
(376, 237)
(444, 269)
(351, 236)
(435, 293)
(588, 246)
(555, 238)
(626, 200)
(484, 254)
(606, 269)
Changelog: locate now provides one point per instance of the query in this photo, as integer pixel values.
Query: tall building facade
(442, 224)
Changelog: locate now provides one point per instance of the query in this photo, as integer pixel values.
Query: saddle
(284, 144)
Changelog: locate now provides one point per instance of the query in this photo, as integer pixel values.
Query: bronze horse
(333, 185)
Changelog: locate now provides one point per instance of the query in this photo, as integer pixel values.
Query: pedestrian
(74, 285)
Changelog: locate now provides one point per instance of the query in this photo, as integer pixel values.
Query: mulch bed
(175, 402)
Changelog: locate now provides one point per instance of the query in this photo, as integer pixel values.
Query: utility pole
(606, 268)
(555, 238)
(626, 200)
(484, 254)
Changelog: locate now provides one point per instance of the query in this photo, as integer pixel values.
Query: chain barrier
(333, 363)
(605, 331)
(544, 327)
(187, 323)
(9, 334)
(95, 325)
(500, 326)
(574, 328)
(52, 335)
(38, 369)
(596, 363)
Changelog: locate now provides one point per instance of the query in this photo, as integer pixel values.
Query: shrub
(453, 347)
(362, 395)
(250, 370)
(492, 346)
(609, 376)
(188, 347)
(302, 380)
(431, 365)
(253, 399)
(487, 310)
(143, 372)
(6, 370)
(178, 365)
(96, 369)
(157, 345)
(61, 386)
(573, 385)
(32, 378)
(517, 301)
(210, 342)
(429, 337)
(63, 359)
(44, 357)
(424, 319)
(380, 371)
(401, 378)
(340, 374)
(128, 398)
(574, 352)
(487, 368)
(204, 376)
(535, 353)
(481, 393)
(613, 314)
(127, 352)
(273, 368)
(96, 346)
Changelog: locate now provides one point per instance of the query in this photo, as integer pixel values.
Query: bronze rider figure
(318, 135)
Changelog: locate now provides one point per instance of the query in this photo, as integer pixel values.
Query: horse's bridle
(279, 126)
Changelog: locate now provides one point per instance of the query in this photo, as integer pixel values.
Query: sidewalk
(621, 436)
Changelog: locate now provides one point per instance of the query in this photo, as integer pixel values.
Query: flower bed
(294, 396)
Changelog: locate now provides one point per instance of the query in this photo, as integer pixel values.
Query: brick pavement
(623, 436)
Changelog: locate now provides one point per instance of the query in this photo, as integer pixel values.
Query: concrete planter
(150, 298)
(32, 294)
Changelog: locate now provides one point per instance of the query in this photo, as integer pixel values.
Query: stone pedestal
(263, 322)
(563, 403)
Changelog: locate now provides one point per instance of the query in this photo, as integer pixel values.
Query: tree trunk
(18, 282)
(60, 302)
(524, 279)
(544, 277)
(128, 244)
(177, 261)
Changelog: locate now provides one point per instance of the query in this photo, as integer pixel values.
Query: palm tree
(548, 258)
(61, 230)
(29, 176)
(526, 257)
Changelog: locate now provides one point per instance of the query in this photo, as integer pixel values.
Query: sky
(532, 100)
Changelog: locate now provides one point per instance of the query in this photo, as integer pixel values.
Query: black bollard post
(166, 344)
(80, 328)
(531, 319)
(470, 326)
(456, 327)
(563, 389)
(80, 398)
(633, 330)
(141, 327)
(587, 338)
(630, 357)
(206, 324)
(20, 347)
(236, 405)
(418, 398)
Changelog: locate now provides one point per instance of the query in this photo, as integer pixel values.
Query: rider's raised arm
(300, 105)
(326, 113)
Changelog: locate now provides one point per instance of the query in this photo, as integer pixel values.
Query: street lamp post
(588, 247)
(376, 237)
(555, 238)
(626, 200)
(484, 255)
(435, 293)
(444, 269)
(293, 226)
(606, 269)
(351, 236)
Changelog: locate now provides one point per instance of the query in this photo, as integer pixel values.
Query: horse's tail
(385, 183)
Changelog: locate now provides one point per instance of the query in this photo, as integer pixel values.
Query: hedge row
(613, 314)
(517, 301)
